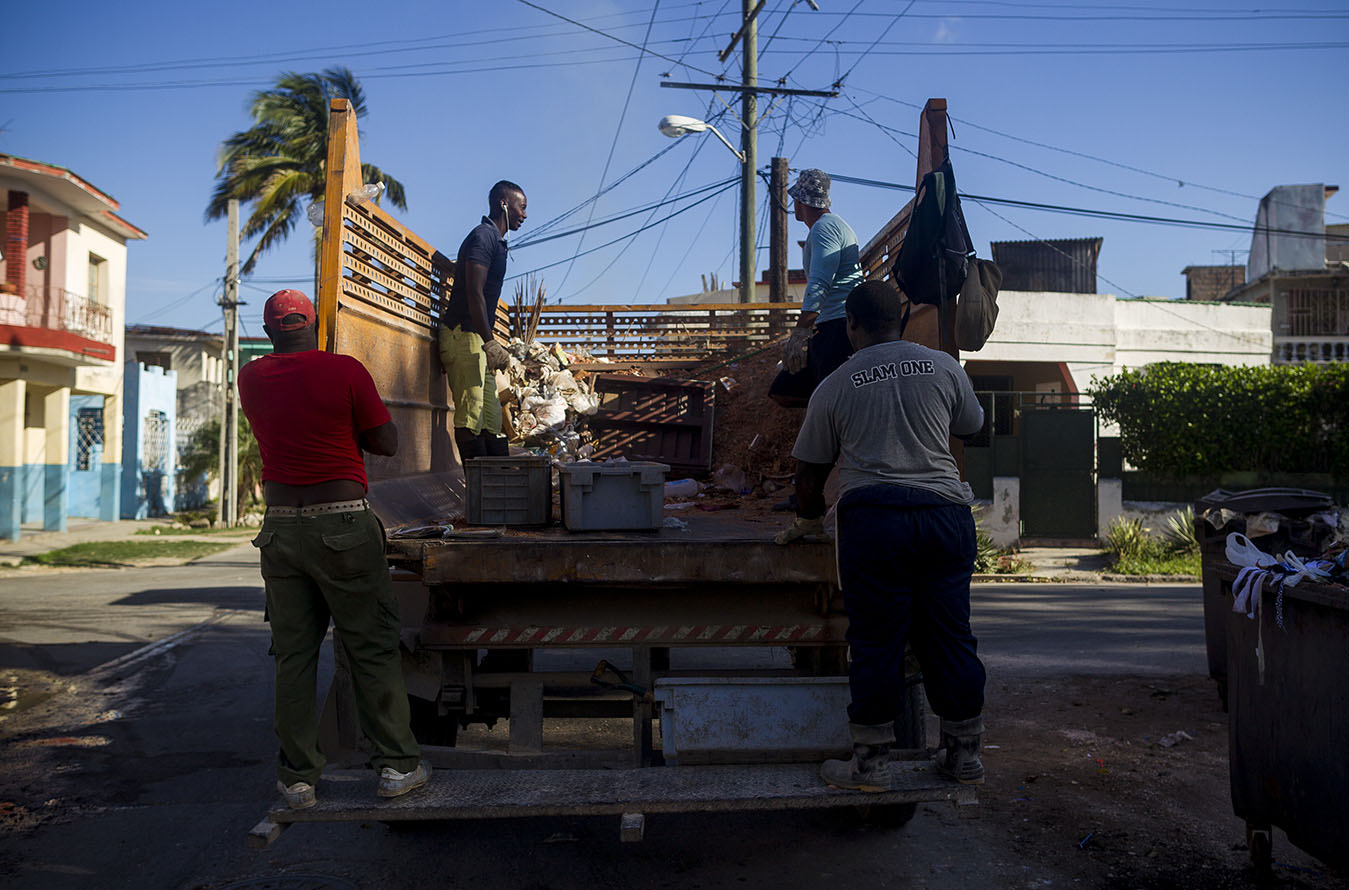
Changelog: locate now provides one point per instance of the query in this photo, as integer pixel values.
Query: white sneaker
(299, 796)
(392, 783)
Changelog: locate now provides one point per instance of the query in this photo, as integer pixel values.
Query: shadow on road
(224, 597)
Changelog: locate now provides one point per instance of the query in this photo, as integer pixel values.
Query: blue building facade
(149, 441)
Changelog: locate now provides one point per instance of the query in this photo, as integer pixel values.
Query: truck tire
(429, 727)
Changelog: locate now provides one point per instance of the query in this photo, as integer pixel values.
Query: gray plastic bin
(613, 497)
(510, 490)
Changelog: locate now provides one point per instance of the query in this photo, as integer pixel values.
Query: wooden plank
(390, 240)
(343, 176)
(384, 218)
(389, 258)
(397, 289)
(374, 298)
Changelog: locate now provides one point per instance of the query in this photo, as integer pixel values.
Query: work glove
(497, 356)
(794, 353)
(800, 528)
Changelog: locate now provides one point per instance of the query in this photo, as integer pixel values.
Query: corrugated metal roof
(1065, 265)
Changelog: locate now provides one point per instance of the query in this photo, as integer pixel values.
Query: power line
(1079, 154)
(822, 40)
(838, 83)
(618, 39)
(673, 185)
(604, 222)
(618, 130)
(156, 313)
(1094, 188)
(627, 236)
(1104, 214)
(455, 39)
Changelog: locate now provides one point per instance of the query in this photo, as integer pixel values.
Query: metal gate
(1058, 471)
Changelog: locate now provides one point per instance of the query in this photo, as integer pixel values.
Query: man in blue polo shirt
(469, 351)
(819, 342)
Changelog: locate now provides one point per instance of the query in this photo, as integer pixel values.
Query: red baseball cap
(286, 303)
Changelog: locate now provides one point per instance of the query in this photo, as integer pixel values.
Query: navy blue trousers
(905, 557)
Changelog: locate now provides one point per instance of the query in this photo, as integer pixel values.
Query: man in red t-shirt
(322, 549)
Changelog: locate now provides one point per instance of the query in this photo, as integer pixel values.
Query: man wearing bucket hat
(819, 342)
(313, 413)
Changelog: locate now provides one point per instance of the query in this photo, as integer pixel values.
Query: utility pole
(749, 145)
(777, 231)
(229, 479)
(749, 122)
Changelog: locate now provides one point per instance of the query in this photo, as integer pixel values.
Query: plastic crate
(510, 490)
(613, 497)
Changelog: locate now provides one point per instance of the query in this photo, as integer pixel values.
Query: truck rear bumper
(349, 795)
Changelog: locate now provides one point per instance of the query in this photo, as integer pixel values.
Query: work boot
(869, 768)
(299, 796)
(469, 443)
(392, 783)
(958, 756)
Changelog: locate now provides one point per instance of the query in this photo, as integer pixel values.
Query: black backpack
(934, 258)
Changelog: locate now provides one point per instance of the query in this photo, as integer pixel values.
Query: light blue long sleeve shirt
(832, 265)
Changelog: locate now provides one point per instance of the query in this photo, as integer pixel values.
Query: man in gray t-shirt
(906, 539)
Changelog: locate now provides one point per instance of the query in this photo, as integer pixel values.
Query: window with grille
(155, 453)
(88, 436)
(1317, 312)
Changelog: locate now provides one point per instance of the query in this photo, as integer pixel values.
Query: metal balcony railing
(57, 309)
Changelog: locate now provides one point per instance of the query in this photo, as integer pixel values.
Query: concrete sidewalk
(80, 531)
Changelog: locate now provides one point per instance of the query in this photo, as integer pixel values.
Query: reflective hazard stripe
(633, 635)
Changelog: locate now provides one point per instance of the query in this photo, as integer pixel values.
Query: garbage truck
(561, 672)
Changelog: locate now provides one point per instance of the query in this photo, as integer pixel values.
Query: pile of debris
(752, 433)
(546, 400)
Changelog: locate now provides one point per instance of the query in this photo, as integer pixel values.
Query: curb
(1084, 578)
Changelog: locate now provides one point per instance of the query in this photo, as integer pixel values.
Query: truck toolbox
(727, 719)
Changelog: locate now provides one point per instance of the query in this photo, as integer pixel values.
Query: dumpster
(1221, 512)
(1288, 705)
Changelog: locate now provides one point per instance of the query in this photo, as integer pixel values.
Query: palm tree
(280, 161)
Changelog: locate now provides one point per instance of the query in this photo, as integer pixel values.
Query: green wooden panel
(1058, 474)
(979, 471)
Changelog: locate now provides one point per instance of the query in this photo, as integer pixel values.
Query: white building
(62, 311)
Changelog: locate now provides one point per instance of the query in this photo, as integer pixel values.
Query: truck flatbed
(719, 547)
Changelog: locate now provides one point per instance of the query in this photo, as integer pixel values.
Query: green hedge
(1199, 420)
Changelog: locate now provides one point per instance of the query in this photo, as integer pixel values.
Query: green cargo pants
(325, 566)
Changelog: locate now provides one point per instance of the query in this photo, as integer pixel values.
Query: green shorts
(473, 388)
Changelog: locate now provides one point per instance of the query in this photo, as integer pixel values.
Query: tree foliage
(1200, 420)
(279, 163)
(202, 457)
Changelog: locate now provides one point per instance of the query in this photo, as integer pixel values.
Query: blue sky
(1134, 106)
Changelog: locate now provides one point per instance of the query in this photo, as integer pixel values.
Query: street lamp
(676, 125)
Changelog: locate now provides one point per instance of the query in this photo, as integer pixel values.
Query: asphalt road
(127, 766)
